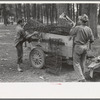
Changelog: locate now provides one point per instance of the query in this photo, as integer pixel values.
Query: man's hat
(20, 20)
(84, 18)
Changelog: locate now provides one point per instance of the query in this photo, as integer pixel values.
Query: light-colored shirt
(82, 34)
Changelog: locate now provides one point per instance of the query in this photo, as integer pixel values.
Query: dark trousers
(19, 48)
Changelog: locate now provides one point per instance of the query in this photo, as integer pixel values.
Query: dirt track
(8, 69)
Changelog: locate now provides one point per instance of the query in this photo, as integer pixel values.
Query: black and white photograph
(49, 49)
(49, 42)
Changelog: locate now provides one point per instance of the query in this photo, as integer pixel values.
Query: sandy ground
(8, 58)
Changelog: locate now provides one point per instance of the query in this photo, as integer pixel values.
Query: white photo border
(52, 90)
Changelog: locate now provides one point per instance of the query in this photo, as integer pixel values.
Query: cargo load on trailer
(34, 25)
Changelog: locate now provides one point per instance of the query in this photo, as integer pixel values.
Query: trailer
(41, 48)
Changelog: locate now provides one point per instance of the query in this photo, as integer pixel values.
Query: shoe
(83, 80)
(19, 69)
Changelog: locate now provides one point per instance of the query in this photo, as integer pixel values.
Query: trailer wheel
(37, 58)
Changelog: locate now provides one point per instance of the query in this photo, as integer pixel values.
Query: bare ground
(8, 57)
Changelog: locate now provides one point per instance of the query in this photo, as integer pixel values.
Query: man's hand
(30, 35)
(70, 38)
(35, 33)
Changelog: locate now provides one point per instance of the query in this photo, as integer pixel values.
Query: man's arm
(73, 31)
(91, 36)
(30, 35)
(19, 36)
(91, 39)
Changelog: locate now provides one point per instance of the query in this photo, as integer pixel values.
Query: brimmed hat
(84, 18)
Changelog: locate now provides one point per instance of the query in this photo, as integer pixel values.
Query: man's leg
(76, 63)
(83, 62)
(20, 56)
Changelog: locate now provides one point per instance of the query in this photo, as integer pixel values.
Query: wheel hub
(37, 59)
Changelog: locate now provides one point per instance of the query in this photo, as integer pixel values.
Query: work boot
(83, 80)
(19, 69)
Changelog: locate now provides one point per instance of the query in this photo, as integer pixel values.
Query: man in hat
(21, 37)
(82, 35)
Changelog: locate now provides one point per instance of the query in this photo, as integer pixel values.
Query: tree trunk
(80, 9)
(93, 19)
(19, 11)
(85, 9)
(37, 11)
(4, 14)
(99, 17)
(16, 12)
(24, 11)
(70, 10)
(55, 13)
(52, 13)
(34, 11)
(41, 13)
(91, 11)
(28, 11)
(73, 12)
(47, 13)
(77, 13)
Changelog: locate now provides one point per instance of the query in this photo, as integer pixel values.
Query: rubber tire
(40, 51)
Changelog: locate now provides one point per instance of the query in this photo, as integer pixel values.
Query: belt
(79, 44)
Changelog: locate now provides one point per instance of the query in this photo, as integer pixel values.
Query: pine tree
(4, 14)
